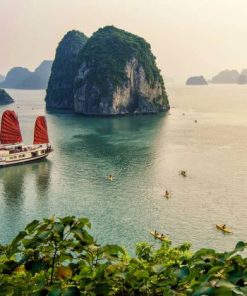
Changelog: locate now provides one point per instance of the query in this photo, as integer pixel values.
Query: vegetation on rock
(64, 69)
(59, 257)
(107, 53)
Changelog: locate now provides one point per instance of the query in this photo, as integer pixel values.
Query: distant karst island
(223, 77)
(226, 76)
(196, 80)
(22, 78)
(2, 77)
(5, 98)
(113, 72)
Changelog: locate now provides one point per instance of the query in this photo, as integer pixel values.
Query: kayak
(222, 228)
(159, 236)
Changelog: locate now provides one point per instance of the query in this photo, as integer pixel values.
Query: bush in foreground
(58, 256)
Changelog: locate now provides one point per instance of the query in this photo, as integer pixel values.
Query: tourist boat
(12, 150)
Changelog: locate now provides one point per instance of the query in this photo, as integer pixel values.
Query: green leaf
(141, 274)
(9, 266)
(34, 267)
(225, 284)
(30, 227)
(237, 291)
(240, 246)
(158, 268)
(18, 238)
(204, 291)
(44, 234)
(183, 272)
(7, 291)
(71, 291)
(54, 291)
(67, 220)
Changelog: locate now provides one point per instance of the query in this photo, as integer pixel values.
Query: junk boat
(12, 150)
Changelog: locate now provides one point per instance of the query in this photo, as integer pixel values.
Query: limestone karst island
(111, 73)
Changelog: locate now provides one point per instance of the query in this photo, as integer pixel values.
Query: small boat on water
(158, 235)
(12, 150)
(223, 228)
(109, 178)
(183, 173)
(167, 194)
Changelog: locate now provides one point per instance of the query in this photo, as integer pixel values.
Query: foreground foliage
(59, 257)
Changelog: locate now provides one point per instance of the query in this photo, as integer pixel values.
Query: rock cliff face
(5, 98)
(196, 80)
(118, 75)
(135, 95)
(64, 69)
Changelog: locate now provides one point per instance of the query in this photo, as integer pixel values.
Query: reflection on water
(15, 182)
(42, 176)
(14, 179)
(118, 142)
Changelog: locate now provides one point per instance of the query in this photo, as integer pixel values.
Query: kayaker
(110, 177)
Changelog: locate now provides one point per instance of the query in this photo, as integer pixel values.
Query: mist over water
(144, 154)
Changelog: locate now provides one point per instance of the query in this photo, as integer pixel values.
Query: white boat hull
(22, 161)
(22, 154)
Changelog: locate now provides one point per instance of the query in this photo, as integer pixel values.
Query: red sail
(40, 131)
(10, 129)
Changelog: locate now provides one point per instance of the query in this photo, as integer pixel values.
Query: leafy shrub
(58, 256)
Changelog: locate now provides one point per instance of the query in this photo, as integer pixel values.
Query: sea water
(205, 134)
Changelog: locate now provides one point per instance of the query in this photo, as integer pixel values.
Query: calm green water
(144, 154)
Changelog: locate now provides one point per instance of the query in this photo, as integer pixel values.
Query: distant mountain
(44, 69)
(14, 77)
(39, 78)
(2, 78)
(22, 78)
(226, 76)
(34, 81)
(196, 80)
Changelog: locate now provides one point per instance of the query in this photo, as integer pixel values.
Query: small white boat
(12, 150)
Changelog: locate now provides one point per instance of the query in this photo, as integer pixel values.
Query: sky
(188, 37)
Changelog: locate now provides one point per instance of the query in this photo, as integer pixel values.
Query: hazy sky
(188, 37)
